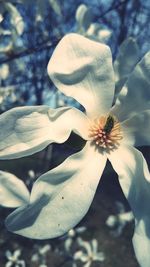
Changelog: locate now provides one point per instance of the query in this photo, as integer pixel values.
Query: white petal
(27, 130)
(78, 254)
(17, 253)
(81, 229)
(82, 69)
(141, 244)
(136, 129)
(88, 264)
(94, 245)
(104, 35)
(137, 89)
(134, 179)
(86, 245)
(61, 197)
(23, 264)
(9, 264)
(127, 58)
(8, 254)
(13, 192)
(84, 17)
(67, 243)
(100, 256)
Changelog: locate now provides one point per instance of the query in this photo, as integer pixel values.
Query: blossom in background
(82, 69)
(7, 93)
(85, 26)
(40, 255)
(4, 71)
(13, 259)
(72, 235)
(118, 221)
(31, 174)
(16, 28)
(89, 253)
(31, 177)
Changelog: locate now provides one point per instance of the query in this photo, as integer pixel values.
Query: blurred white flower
(40, 255)
(56, 6)
(118, 221)
(17, 21)
(16, 29)
(84, 18)
(13, 259)
(72, 235)
(31, 174)
(30, 178)
(98, 33)
(85, 26)
(6, 94)
(43, 250)
(88, 253)
(4, 71)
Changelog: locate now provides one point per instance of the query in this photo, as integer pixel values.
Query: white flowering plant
(88, 253)
(92, 30)
(82, 68)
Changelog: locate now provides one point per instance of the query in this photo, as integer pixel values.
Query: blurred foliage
(30, 29)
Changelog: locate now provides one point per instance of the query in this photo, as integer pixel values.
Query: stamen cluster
(106, 132)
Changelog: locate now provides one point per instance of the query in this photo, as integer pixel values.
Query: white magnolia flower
(89, 253)
(60, 198)
(13, 259)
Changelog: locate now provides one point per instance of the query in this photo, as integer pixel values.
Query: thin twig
(30, 51)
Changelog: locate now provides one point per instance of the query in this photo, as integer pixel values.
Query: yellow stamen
(106, 132)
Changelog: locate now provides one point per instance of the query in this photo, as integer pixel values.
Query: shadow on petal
(30, 213)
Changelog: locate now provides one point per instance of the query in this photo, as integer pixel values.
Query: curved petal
(141, 244)
(94, 245)
(83, 17)
(134, 179)
(136, 130)
(13, 191)
(127, 58)
(136, 90)
(77, 255)
(61, 197)
(82, 69)
(86, 245)
(9, 264)
(27, 130)
(87, 264)
(67, 243)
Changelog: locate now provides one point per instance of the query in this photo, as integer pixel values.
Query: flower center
(106, 132)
